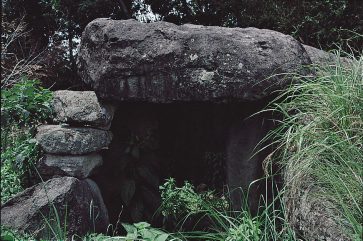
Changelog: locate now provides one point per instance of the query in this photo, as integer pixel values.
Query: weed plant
(320, 142)
(23, 106)
(237, 225)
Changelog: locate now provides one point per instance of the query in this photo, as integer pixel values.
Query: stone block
(81, 107)
(64, 140)
(71, 198)
(75, 166)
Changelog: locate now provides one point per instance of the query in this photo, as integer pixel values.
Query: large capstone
(57, 139)
(161, 62)
(81, 108)
(78, 204)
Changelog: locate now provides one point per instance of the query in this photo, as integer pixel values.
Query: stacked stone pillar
(72, 147)
(71, 154)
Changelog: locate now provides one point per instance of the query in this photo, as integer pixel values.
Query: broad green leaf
(162, 237)
(130, 229)
(142, 225)
(147, 234)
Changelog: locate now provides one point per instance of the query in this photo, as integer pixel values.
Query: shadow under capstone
(208, 144)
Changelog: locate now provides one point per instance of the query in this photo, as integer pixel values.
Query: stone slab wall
(71, 149)
(72, 146)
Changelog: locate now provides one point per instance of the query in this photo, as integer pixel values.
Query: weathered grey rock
(56, 139)
(321, 58)
(318, 56)
(162, 62)
(75, 166)
(314, 218)
(81, 107)
(26, 211)
(244, 162)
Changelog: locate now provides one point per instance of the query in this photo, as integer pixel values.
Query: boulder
(314, 217)
(57, 139)
(160, 62)
(321, 58)
(81, 107)
(78, 203)
(74, 166)
(318, 56)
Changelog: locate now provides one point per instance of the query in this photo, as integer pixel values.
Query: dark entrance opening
(151, 142)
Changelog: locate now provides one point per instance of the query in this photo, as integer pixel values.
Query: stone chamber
(163, 101)
(203, 143)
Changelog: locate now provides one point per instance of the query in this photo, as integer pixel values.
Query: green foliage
(11, 235)
(10, 183)
(320, 141)
(145, 232)
(24, 103)
(136, 231)
(248, 229)
(16, 161)
(224, 224)
(180, 201)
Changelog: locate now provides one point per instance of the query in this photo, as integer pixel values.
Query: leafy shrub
(145, 232)
(213, 220)
(180, 201)
(136, 231)
(24, 103)
(248, 229)
(10, 183)
(16, 161)
(23, 106)
(11, 235)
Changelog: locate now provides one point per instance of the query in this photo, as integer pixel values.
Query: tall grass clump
(205, 216)
(320, 145)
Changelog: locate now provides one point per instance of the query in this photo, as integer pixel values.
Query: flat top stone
(81, 107)
(125, 60)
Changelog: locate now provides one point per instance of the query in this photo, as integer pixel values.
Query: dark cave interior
(152, 142)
